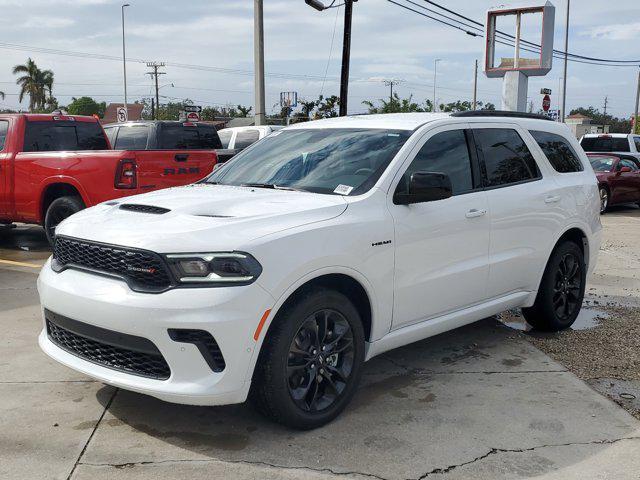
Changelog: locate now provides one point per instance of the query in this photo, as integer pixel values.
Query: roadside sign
(545, 91)
(121, 114)
(193, 108)
(553, 114)
(546, 103)
(289, 99)
(193, 117)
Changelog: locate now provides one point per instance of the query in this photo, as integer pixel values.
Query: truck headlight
(214, 269)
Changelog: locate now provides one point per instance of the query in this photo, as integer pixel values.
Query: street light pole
(258, 59)
(124, 62)
(634, 125)
(346, 56)
(435, 73)
(566, 53)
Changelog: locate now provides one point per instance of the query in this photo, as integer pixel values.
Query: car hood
(201, 217)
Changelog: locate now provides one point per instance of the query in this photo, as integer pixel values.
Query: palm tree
(35, 83)
(2, 95)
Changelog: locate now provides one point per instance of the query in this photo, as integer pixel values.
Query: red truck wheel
(60, 209)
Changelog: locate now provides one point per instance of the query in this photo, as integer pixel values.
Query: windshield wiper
(270, 185)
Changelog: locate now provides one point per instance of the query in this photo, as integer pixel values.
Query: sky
(208, 45)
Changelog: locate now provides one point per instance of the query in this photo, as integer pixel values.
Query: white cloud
(39, 22)
(621, 31)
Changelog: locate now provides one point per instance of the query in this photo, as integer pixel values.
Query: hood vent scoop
(132, 207)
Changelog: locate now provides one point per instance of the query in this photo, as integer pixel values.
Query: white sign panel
(121, 114)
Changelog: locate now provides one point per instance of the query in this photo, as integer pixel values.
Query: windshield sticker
(343, 189)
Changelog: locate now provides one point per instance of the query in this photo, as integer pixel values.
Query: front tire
(60, 209)
(561, 290)
(311, 361)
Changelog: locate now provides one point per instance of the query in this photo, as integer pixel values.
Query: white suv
(317, 248)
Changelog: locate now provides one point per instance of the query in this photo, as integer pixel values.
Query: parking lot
(478, 402)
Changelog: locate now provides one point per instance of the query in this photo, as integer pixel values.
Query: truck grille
(143, 271)
(119, 351)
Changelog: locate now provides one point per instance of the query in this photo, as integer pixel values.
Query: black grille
(119, 351)
(132, 207)
(205, 342)
(142, 270)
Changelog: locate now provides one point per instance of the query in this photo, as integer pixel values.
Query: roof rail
(500, 113)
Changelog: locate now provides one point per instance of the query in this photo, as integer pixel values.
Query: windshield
(339, 161)
(602, 164)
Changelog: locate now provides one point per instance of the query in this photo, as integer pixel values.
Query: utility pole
(634, 125)
(390, 84)
(475, 87)
(124, 62)
(258, 60)
(155, 73)
(604, 116)
(346, 56)
(435, 77)
(566, 53)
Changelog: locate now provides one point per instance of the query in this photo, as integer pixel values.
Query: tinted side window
(132, 138)
(560, 154)
(627, 163)
(180, 137)
(4, 127)
(59, 136)
(637, 142)
(246, 138)
(507, 159)
(445, 152)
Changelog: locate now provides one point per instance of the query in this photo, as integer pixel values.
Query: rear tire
(561, 290)
(604, 199)
(306, 373)
(60, 209)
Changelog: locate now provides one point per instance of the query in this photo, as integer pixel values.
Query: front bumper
(231, 315)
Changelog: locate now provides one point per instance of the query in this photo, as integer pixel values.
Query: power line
(458, 25)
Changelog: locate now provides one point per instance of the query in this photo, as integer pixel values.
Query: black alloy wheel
(320, 360)
(568, 283)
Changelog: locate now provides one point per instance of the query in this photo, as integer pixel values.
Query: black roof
(500, 113)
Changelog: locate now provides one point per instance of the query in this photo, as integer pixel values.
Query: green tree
(209, 113)
(86, 106)
(616, 125)
(243, 111)
(36, 83)
(327, 107)
(397, 104)
(463, 106)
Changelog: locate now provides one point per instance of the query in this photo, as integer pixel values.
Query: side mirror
(625, 170)
(425, 187)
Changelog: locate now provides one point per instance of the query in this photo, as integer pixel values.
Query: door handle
(474, 212)
(552, 199)
(181, 157)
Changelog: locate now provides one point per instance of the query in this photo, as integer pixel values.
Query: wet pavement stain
(370, 393)
(587, 318)
(473, 352)
(430, 397)
(511, 362)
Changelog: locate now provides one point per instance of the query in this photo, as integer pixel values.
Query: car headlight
(214, 269)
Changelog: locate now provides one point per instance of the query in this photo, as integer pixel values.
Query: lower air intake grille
(119, 351)
(206, 344)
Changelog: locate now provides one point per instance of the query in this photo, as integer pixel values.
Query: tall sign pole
(634, 124)
(124, 64)
(566, 53)
(346, 55)
(258, 59)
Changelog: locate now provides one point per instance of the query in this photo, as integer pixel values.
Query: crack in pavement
(95, 427)
(495, 451)
(418, 371)
(237, 462)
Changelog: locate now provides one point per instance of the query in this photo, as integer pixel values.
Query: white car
(611, 142)
(239, 138)
(318, 248)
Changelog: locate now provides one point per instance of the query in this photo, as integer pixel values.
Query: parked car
(236, 139)
(319, 248)
(54, 165)
(618, 179)
(611, 143)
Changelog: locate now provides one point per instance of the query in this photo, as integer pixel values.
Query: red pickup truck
(52, 166)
